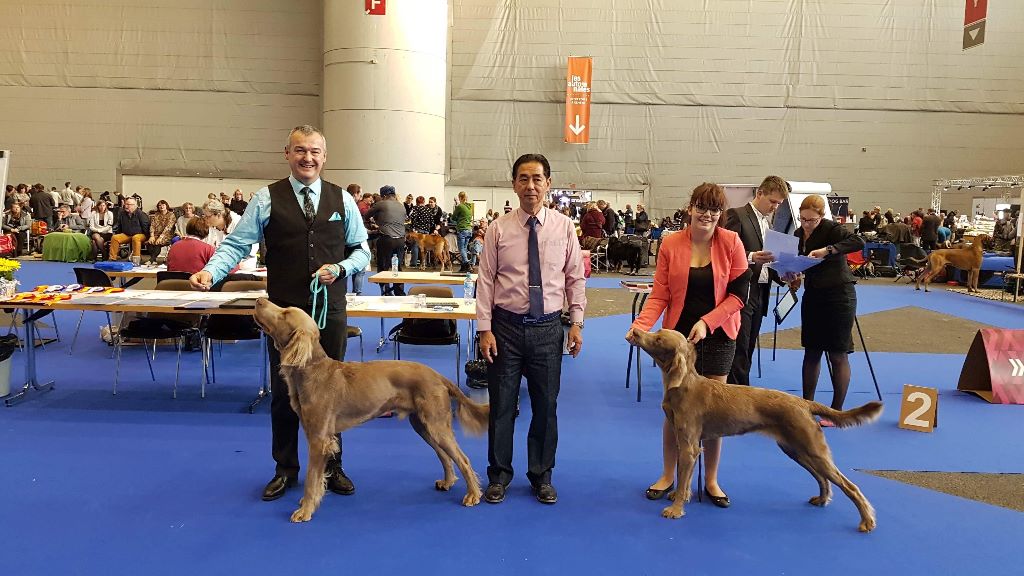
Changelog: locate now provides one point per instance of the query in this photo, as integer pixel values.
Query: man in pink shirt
(529, 268)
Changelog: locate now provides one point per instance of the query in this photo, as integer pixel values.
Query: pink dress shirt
(504, 267)
(728, 261)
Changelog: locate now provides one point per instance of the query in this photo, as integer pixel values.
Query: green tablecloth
(67, 247)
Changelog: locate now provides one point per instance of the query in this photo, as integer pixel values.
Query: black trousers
(750, 326)
(386, 248)
(534, 351)
(284, 421)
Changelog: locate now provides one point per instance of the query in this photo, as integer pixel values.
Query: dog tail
(472, 416)
(852, 417)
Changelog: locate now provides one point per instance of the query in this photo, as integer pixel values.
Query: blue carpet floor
(143, 484)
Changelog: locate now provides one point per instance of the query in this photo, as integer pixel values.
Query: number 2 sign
(919, 409)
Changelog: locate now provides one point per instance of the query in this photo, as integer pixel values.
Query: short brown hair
(197, 227)
(773, 185)
(813, 202)
(708, 195)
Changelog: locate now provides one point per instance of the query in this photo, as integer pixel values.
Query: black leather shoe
(495, 493)
(339, 483)
(655, 494)
(720, 501)
(545, 494)
(277, 486)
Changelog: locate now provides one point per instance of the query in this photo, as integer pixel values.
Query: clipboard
(785, 306)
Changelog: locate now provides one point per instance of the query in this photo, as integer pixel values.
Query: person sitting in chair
(101, 228)
(68, 221)
(132, 225)
(17, 223)
(161, 230)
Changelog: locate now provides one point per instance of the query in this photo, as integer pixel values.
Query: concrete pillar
(384, 95)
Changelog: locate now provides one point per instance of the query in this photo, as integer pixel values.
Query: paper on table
(778, 243)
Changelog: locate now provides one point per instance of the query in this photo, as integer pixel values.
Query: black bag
(423, 328)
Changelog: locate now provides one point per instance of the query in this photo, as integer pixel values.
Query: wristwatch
(579, 324)
(830, 249)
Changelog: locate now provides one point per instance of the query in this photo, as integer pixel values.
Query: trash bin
(8, 344)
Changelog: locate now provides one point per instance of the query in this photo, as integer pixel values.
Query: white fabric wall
(733, 90)
(89, 90)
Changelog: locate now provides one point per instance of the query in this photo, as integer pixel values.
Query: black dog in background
(625, 250)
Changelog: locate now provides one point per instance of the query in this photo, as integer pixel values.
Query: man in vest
(314, 230)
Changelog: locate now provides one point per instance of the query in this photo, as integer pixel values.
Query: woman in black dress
(830, 299)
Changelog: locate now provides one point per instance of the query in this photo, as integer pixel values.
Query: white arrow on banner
(1016, 368)
(577, 128)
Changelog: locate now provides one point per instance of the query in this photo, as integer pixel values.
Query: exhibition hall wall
(873, 96)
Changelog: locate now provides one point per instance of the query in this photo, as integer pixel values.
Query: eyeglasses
(705, 210)
(809, 220)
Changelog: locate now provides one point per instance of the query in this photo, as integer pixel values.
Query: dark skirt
(827, 316)
(714, 354)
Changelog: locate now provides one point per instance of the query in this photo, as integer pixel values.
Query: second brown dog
(968, 258)
(331, 396)
(431, 244)
(698, 408)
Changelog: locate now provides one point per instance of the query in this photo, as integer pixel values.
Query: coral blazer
(728, 262)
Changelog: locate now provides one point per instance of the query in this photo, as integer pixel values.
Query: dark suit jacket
(743, 221)
(930, 227)
(834, 270)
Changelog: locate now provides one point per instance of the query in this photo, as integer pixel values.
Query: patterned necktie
(307, 205)
(533, 254)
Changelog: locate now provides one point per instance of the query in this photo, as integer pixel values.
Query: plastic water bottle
(468, 290)
(394, 265)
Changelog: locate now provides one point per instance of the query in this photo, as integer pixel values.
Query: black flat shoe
(277, 486)
(655, 494)
(720, 501)
(339, 483)
(545, 493)
(495, 493)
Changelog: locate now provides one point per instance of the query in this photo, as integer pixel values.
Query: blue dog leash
(319, 293)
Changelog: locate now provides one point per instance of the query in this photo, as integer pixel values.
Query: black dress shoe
(545, 494)
(655, 494)
(495, 493)
(720, 501)
(339, 483)
(277, 486)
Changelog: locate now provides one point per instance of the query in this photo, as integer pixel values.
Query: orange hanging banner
(577, 100)
(975, 14)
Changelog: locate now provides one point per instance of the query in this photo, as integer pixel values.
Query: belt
(513, 318)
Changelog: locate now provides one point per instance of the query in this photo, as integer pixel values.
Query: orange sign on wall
(577, 100)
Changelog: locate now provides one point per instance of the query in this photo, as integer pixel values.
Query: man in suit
(930, 230)
(312, 228)
(751, 222)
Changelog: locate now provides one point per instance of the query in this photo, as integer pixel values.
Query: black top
(700, 297)
(295, 250)
(131, 224)
(833, 270)
(866, 224)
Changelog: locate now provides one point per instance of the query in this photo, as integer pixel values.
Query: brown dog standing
(331, 397)
(963, 258)
(433, 244)
(699, 408)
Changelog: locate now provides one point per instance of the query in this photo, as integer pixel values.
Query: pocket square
(334, 217)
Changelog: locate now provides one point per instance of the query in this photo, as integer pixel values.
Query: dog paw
(819, 501)
(302, 515)
(471, 499)
(867, 525)
(672, 512)
(443, 485)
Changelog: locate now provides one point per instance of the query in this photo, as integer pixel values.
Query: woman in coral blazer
(700, 285)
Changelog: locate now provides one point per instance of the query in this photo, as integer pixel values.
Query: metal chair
(429, 332)
(92, 278)
(157, 327)
(911, 261)
(222, 327)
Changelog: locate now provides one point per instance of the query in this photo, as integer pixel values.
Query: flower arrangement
(8, 267)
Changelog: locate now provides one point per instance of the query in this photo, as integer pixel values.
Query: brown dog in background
(433, 244)
(331, 396)
(698, 408)
(968, 258)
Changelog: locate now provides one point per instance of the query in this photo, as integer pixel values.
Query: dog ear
(299, 348)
